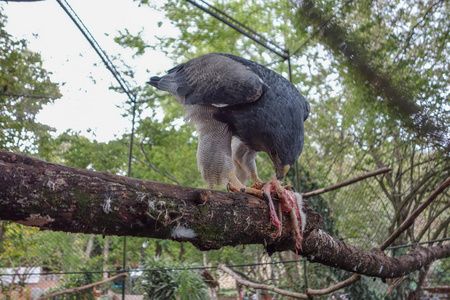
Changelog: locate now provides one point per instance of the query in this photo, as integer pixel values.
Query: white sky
(87, 102)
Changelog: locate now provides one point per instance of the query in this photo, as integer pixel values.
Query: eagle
(240, 108)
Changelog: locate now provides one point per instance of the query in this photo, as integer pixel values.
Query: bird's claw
(249, 190)
(257, 185)
(232, 188)
(288, 203)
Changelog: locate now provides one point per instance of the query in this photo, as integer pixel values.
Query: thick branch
(325, 249)
(56, 197)
(80, 288)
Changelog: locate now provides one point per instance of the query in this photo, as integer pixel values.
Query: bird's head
(284, 152)
(281, 165)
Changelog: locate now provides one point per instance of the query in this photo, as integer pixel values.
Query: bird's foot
(249, 190)
(257, 185)
(289, 202)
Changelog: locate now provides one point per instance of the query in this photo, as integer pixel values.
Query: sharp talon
(232, 188)
(257, 186)
(242, 190)
(255, 192)
(263, 184)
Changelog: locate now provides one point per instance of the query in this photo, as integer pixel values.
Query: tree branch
(340, 285)
(347, 182)
(410, 219)
(261, 286)
(55, 197)
(80, 288)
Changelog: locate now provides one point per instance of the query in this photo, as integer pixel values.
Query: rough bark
(55, 197)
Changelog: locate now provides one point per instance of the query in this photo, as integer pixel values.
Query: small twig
(347, 182)
(335, 287)
(409, 220)
(155, 168)
(84, 287)
(260, 285)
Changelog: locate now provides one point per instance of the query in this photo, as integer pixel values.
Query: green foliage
(7, 289)
(69, 281)
(168, 280)
(365, 288)
(441, 271)
(126, 39)
(24, 246)
(73, 149)
(25, 87)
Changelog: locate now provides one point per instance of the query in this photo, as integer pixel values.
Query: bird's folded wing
(213, 79)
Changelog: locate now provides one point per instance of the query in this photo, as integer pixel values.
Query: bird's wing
(213, 79)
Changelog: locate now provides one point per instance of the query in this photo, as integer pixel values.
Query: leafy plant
(69, 281)
(172, 280)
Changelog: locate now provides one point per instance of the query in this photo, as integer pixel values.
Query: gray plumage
(238, 108)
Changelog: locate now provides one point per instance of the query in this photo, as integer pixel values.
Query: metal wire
(258, 38)
(93, 42)
(161, 269)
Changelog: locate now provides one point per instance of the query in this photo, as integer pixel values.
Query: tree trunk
(89, 246)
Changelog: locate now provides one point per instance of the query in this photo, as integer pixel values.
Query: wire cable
(164, 269)
(258, 38)
(93, 42)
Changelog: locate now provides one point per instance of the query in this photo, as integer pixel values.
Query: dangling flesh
(289, 203)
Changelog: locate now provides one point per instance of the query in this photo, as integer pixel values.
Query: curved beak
(281, 173)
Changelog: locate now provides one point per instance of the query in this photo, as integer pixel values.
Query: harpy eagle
(239, 108)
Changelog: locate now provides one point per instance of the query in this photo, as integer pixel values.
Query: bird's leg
(234, 185)
(245, 165)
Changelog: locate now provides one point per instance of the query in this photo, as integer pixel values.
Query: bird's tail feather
(154, 81)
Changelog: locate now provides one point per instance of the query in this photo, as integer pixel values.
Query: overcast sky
(87, 102)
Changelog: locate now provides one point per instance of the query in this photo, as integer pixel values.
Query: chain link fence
(295, 275)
